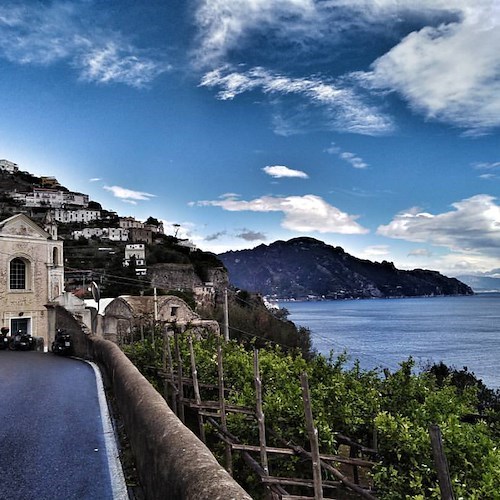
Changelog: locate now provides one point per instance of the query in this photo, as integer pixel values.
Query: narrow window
(17, 274)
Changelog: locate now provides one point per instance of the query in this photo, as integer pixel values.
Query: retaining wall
(172, 462)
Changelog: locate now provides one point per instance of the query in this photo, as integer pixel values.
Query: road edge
(118, 485)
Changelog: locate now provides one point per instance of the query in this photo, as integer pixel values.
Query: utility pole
(226, 318)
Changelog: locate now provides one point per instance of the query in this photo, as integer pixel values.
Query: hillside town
(57, 247)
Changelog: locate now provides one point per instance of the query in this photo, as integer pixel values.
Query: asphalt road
(54, 442)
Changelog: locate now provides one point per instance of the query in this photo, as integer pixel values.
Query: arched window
(55, 257)
(18, 274)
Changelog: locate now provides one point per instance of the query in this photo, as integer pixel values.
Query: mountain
(304, 267)
(481, 283)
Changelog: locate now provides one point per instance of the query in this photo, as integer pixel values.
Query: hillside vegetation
(398, 406)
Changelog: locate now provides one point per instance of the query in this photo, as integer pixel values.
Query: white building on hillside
(88, 233)
(115, 234)
(41, 197)
(80, 215)
(75, 199)
(8, 166)
(131, 223)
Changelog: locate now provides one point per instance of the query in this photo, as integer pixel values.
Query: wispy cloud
(375, 252)
(95, 179)
(345, 109)
(224, 24)
(121, 64)
(301, 213)
(353, 159)
(419, 252)
(473, 226)
(483, 165)
(248, 235)
(490, 169)
(280, 171)
(128, 195)
(446, 69)
(47, 34)
(215, 236)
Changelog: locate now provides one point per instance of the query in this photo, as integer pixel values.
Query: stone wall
(184, 277)
(171, 461)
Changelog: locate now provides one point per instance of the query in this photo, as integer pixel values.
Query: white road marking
(115, 468)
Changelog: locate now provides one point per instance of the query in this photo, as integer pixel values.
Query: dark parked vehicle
(22, 341)
(4, 339)
(62, 343)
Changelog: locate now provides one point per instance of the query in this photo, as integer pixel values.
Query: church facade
(31, 274)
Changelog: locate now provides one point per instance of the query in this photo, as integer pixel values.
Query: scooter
(22, 341)
(4, 340)
(62, 343)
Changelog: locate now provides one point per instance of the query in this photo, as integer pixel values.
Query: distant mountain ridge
(481, 284)
(306, 267)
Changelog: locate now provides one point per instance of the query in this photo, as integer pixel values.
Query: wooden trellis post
(170, 376)
(222, 407)
(180, 385)
(259, 413)
(313, 438)
(194, 375)
(441, 463)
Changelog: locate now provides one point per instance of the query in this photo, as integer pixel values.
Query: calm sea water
(460, 331)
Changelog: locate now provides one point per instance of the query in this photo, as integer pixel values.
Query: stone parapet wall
(172, 462)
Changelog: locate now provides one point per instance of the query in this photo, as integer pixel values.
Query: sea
(461, 331)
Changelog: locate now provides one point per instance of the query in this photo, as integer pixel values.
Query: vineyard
(287, 427)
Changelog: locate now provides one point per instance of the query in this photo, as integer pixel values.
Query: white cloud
(449, 72)
(353, 159)
(95, 179)
(473, 226)
(345, 109)
(279, 171)
(301, 213)
(128, 195)
(47, 34)
(183, 230)
(375, 251)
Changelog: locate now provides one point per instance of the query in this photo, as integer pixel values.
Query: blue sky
(372, 125)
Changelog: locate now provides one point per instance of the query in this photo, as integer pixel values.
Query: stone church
(31, 274)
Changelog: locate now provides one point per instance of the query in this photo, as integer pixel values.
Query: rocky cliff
(304, 267)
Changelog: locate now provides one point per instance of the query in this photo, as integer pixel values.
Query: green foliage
(251, 322)
(152, 221)
(400, 406)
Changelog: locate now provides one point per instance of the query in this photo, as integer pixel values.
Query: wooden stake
(222, 407)
(194, 374)
(313, 438)
(180, 386)
(260, 413)
(171, 375)
(226, 317)
(441, 463)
